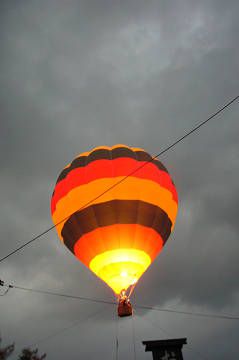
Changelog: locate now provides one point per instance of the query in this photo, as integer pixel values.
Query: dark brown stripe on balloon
(115, 153)
(98, 154)
(115, 212)
(143, 156)
(123, 152)
(76, 163)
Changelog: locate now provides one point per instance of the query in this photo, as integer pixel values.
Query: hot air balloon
(117, 231)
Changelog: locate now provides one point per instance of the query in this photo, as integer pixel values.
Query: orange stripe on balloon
(110, 169)
(132, 189)
(133, 236)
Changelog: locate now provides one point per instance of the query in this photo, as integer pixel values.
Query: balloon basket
(124, 305)
(124, 309)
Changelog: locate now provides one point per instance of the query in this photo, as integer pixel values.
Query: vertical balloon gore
(119, 234)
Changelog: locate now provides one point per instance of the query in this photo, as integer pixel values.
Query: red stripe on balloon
(110, 169)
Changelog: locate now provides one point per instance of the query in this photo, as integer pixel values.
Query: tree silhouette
(6, 351)
(28, 354)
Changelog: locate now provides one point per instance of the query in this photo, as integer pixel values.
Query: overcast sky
(78, 74)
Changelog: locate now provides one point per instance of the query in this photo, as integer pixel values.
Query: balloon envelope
(118, 234)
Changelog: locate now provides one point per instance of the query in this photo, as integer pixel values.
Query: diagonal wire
(198, 353)
(174, 143)
(71, 326)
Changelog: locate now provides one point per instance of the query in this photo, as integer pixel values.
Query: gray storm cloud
(78, 74)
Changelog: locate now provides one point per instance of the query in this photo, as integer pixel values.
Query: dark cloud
(77, 74)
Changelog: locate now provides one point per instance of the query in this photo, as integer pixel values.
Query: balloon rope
(133, 333)
(131, 290)
(116, 338)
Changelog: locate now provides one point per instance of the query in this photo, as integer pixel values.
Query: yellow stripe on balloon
(120, 268)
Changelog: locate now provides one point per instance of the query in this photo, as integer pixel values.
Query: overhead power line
(215, 316)
(144, 307)
(155, 322)
(66, 328)
(194, 129)
(46, 292)
(190, 348)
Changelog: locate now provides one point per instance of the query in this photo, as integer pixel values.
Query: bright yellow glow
(124, 274)
(120, 268)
